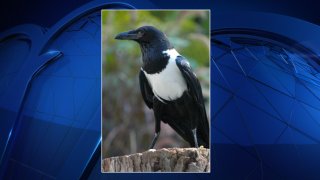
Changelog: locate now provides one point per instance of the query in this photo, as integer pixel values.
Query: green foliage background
(127, 124)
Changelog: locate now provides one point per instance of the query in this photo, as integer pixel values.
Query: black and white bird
(169, 87)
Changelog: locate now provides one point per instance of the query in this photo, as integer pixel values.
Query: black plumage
(169, 87)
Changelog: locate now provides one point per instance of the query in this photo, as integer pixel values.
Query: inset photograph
(155, 91)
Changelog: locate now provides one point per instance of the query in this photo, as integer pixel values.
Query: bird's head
(143, 35)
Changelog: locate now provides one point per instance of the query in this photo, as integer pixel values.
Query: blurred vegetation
(128, 125)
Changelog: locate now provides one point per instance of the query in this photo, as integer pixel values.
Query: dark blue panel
(273, 112)
(265, 98)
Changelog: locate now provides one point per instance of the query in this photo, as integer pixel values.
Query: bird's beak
(130, 35)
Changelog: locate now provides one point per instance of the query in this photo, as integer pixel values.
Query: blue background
(265, 112)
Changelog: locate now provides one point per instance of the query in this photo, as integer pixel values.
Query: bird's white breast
(169, 84)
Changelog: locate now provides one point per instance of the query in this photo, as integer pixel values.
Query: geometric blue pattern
(264, 94)
(266, 107)
(62, 107)
(10, 65)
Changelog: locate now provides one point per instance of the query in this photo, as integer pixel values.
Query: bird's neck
(153, 58)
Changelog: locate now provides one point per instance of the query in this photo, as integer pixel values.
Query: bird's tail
(203, 129)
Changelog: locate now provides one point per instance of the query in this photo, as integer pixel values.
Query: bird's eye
(140, 33)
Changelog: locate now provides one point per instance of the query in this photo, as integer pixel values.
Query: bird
(170, 87)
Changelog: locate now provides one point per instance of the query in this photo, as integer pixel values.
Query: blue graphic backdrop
(264, 89)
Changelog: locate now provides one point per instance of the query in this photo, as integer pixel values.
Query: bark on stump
(161, 160)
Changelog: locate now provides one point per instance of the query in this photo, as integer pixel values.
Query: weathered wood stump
(161, 160)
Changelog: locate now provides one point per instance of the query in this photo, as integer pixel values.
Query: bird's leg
(194, 132)
(156, 134)
(157, 111)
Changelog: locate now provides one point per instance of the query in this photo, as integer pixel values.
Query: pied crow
(170, 87)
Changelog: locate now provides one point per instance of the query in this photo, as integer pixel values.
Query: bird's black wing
(146, 90)
(195, 91)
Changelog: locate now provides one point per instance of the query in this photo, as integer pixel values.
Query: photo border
(101, 83)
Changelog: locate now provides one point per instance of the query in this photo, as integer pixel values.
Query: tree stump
(161, 160)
